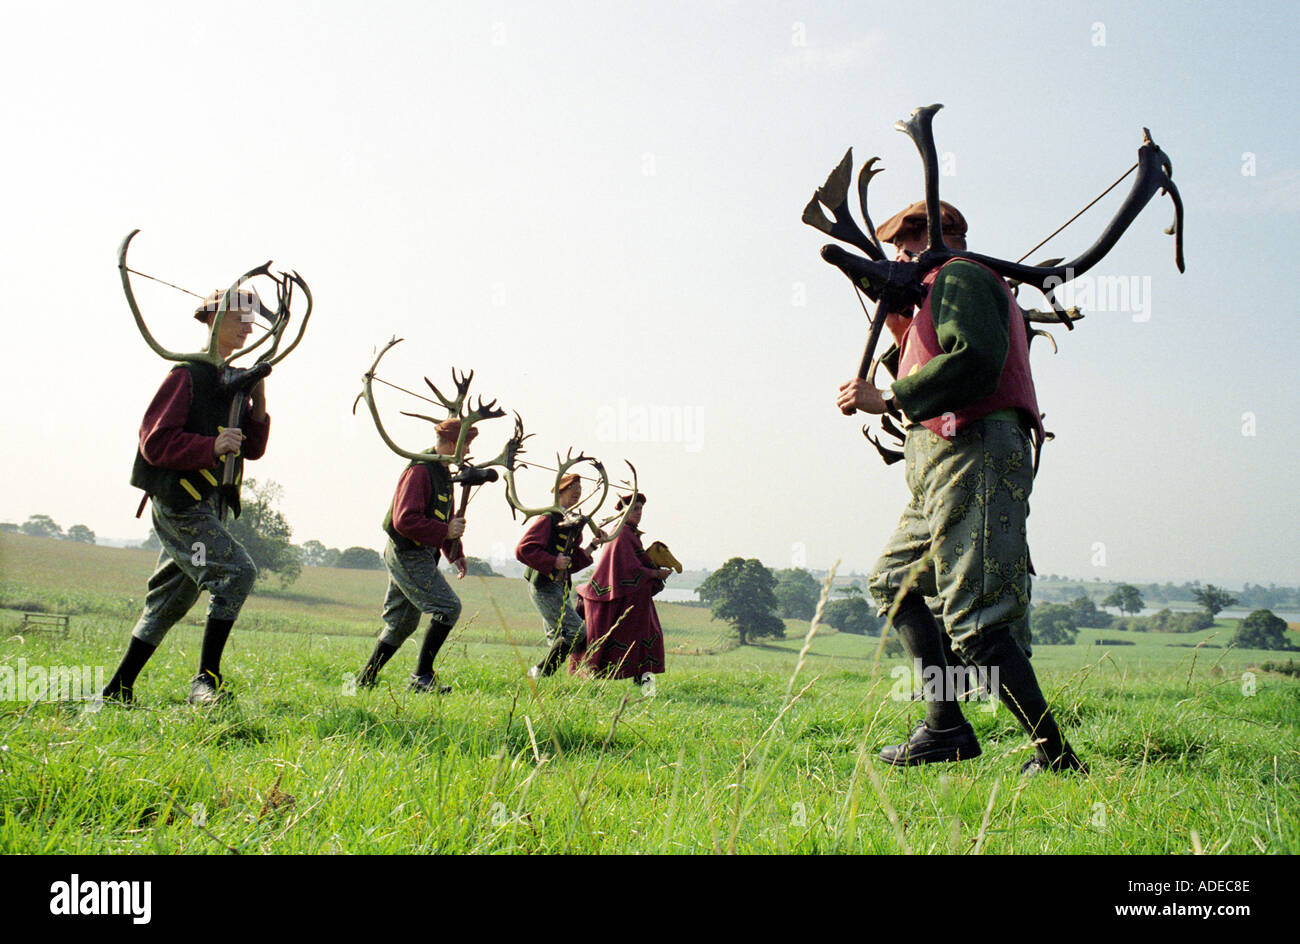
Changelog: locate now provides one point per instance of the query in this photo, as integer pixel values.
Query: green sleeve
(969, 310)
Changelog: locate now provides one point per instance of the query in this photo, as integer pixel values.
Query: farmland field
(742, 749)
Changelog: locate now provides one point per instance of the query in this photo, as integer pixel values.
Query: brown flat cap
(450, 429)
(571, 478)
(954, 224)
(245, 299)
(623, 500)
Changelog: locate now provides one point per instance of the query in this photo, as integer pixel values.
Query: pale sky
(596, 207)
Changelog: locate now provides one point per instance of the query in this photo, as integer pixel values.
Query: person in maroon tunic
(182, 450)
(624, 638)
(421, 525)
(551, 551)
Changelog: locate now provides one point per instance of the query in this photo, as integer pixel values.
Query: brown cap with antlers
(450, 429)
(245, 299)
(914, 218)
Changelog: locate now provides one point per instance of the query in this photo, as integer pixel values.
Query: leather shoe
(928, 745)
(208, 689)
(1068, 761)
(428, 684)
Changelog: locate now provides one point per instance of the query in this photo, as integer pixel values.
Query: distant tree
(1085, 613)
(151, 542)
(265, 533)
(1257, 596)
(1213, 599)
(41, 526)
(81, 534)
(853, 589)
(477, 567)
(854, 615)
(743, 592)
(316, 554)
(9, 527)
(1053, 624)
(1126, 598)
(797, 593)
(1262, 630)
(361, 558)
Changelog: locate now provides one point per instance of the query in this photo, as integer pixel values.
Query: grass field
(742, 750)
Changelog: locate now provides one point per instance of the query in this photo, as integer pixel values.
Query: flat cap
(954, 224)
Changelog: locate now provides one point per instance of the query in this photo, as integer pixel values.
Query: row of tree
(1252, 596)
(1213, 600)
(43, 526)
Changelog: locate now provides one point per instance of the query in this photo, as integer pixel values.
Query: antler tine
(230, 294)
(869, 170)
(207, 356)
(511, 450)
(485, 411)
(451, 406)
(834, 195)
(366, 392)
(627, 509)
(919, 127)
(294, 279)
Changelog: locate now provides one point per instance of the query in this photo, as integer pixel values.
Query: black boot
(556, 655)
(924, 640)
(1019, 691)
(424, 679)
(215, 635)
(369, 675)
(121, 686)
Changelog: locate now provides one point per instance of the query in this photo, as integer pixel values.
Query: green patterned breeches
(962, 541)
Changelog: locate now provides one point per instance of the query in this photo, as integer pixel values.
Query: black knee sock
(433, 640)
(557, 654)
(378, 659)
(215, 635)
(922, 638)
(138, 653)
(956, 668)
(1019, 691)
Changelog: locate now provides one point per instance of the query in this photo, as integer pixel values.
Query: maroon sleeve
(581, 560)
(531, 551)
(163, 440)
(410, 500)
(255, 435)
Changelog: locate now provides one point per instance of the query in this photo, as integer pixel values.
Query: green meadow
(1193, 747)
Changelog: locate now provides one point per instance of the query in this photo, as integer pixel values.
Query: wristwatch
(891, 402)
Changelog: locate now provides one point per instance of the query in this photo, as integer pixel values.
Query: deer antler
(481, 411)
(211, 354)
(621, 517)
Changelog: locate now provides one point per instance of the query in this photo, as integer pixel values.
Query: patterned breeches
(962, 538)
(554, 600)
(415, 586)
(198, 554)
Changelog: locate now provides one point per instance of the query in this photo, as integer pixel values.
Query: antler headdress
(898, 285)
(285, 283)
(455, 411)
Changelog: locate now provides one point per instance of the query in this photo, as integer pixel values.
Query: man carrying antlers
(549, 550)
(421, 527)
(965, 390)
(184, 447)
